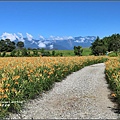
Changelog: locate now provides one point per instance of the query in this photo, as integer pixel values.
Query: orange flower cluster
(113, 75)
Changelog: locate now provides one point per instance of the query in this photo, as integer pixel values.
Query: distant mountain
(67, 44)
(60, 43)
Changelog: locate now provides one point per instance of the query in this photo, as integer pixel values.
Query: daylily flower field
(113, 76)
(23, 78)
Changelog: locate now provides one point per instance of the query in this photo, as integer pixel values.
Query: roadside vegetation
(112, 72)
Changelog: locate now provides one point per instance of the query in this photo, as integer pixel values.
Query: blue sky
(60, 18)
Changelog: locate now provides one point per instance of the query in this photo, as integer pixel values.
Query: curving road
(81, 95)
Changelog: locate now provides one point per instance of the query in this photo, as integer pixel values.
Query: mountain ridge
(60, 43)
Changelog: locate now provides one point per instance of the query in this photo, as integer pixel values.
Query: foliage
(111, 43)
(98, 47)
(24, 52)
(53, 53)
(20, 44)
(4, 53)
(112, 54)
(63, 52)
(6, 45)
(46, 53)
(35, 52)
(78, 50)
(13, 53)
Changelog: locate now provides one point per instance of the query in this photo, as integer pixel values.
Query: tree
(18, 53)
(20, 44)
(78, 50)
(24, 52)
(99, 47)
(10, 45)
(35, 53)
(42, 50)
(6, 45)
(114, 45)
(13, 53)
(53, 53)
(75, 50)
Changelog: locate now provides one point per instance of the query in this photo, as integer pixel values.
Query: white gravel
(81, 95)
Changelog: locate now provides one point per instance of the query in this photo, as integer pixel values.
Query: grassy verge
(86, 52)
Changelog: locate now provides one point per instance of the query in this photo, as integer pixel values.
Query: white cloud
(41, 44)
(16, 36)
(10, 36)
(21, 37)
(33, 42)
(41, 37)
(77, 41)
(82, 39)
(30, 37)
(60, 38)
(51, 36)
(47, 42)
(69, 37)
(93, 38)
(51, 46)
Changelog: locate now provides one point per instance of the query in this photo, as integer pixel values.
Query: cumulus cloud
(13, 37)
(10, 36)
(41, 37)
(21, 37)
(77, 41)
(20, 34)
(60, 38)
(51, 46)
(47, 42)
(82, 39)
(33, 42)
(93, 38)
(16, 36)
(30, 37)
(41, 44)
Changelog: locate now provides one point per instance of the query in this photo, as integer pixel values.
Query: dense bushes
(29, 53)
(102, 46)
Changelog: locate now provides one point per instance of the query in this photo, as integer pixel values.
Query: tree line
(8, 46)
(18, 50)
(106, 44)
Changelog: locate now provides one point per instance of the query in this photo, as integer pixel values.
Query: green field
(86, 52)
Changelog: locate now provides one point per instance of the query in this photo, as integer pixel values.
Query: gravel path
(81, 95)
